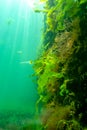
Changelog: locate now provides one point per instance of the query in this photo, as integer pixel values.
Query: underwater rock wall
(61, 69)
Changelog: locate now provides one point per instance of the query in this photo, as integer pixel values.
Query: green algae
(62, 69)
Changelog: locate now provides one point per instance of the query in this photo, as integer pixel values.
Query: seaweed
(61, 70)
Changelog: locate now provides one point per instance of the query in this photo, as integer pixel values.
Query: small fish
(26, 62)
(10, 21)
(19, 52)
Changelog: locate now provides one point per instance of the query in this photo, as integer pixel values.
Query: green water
(20, 31)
